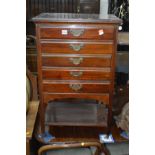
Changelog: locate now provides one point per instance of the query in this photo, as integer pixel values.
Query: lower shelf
(76, 114)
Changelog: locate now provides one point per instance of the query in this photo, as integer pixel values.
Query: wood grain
(64, 47)
(65, 87)
(67, 60)
(58, 73)
(88, 33)
(103, 97)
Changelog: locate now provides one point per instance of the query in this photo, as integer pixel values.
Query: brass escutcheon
(76, 47)
(77, 32)
(75, 87)
(76, 61)
(76, 74)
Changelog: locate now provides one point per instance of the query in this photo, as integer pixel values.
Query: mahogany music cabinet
(76, 59)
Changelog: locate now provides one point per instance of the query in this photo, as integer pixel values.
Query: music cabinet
(76, 59)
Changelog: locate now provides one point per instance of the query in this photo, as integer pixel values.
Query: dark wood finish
(83, 47)
(68, 87)
(88, 47)
(89, 29)
(76, 61)
(56, 73)
(104, 97)
(87, 32)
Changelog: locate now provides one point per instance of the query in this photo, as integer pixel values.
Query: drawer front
(76, 61)
(98, 96)
(74, 74)
(73, 87)
(77, 47)
(77, 32)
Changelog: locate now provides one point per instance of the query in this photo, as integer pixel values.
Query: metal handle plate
(76, 47)
(76, 74)
(76, 61)
(75, 87)
(77, 32)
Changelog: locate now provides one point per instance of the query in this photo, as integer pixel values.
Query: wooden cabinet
(76, 59)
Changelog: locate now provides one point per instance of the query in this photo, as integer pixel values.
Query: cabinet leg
(27, 147)
(105, 150)
(110, 114)
(109, 117)
(42, 118)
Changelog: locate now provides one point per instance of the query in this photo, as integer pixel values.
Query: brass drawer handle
(75, 87)
(76, 47)
(76, 74)
(77, 32)
(76, 61)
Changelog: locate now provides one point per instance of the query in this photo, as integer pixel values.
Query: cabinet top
(78, 18)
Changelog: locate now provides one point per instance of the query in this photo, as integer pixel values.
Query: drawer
(99, 32)
(73, 86)
(76, 61)
(76, 74)
(77, 47)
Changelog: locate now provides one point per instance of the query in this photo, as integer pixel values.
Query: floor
(118, 148)
(114, 148)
